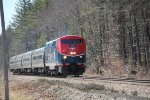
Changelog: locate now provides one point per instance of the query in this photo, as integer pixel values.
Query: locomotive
(63, 56)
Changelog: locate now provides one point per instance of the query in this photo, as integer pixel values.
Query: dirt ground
(0, 93)
(71, 88)
(0, 87)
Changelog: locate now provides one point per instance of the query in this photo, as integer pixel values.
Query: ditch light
(72, 53)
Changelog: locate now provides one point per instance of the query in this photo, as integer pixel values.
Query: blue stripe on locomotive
(70, 59)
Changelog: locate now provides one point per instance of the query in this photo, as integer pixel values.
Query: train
(63, 56)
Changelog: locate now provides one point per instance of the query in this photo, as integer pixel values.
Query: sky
(9, 11)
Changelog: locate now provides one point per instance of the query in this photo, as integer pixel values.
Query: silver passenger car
(26, 60)
(37, 58)
(12, 64)
(18, 61)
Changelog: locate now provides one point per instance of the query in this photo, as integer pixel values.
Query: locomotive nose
(72, 50)
(72, 46)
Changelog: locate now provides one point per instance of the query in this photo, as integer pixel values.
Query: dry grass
(0, 90)
(17, 96)
(0, 84)
(17, 93)
(0, 93)
(30, 91)
(13, 94)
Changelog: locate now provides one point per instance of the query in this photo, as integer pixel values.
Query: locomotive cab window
(71, 41)
(54, 44)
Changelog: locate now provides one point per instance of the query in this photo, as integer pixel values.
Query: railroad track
(97, 78)
(117, 79)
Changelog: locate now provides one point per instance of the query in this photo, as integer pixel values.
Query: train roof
(66, 36)
(27, 52)
(38, 49)
(52, 41)
(13, 57)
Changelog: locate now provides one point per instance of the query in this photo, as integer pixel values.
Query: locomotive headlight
(81, 57)
(65, 57)
(71, 53)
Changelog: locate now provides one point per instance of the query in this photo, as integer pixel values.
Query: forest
(117, 32)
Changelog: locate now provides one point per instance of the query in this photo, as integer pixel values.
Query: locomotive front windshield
(71, 41)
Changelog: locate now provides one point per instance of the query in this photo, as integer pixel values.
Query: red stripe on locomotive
(71, 45)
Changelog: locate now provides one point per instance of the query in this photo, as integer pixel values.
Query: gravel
(50, 88)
